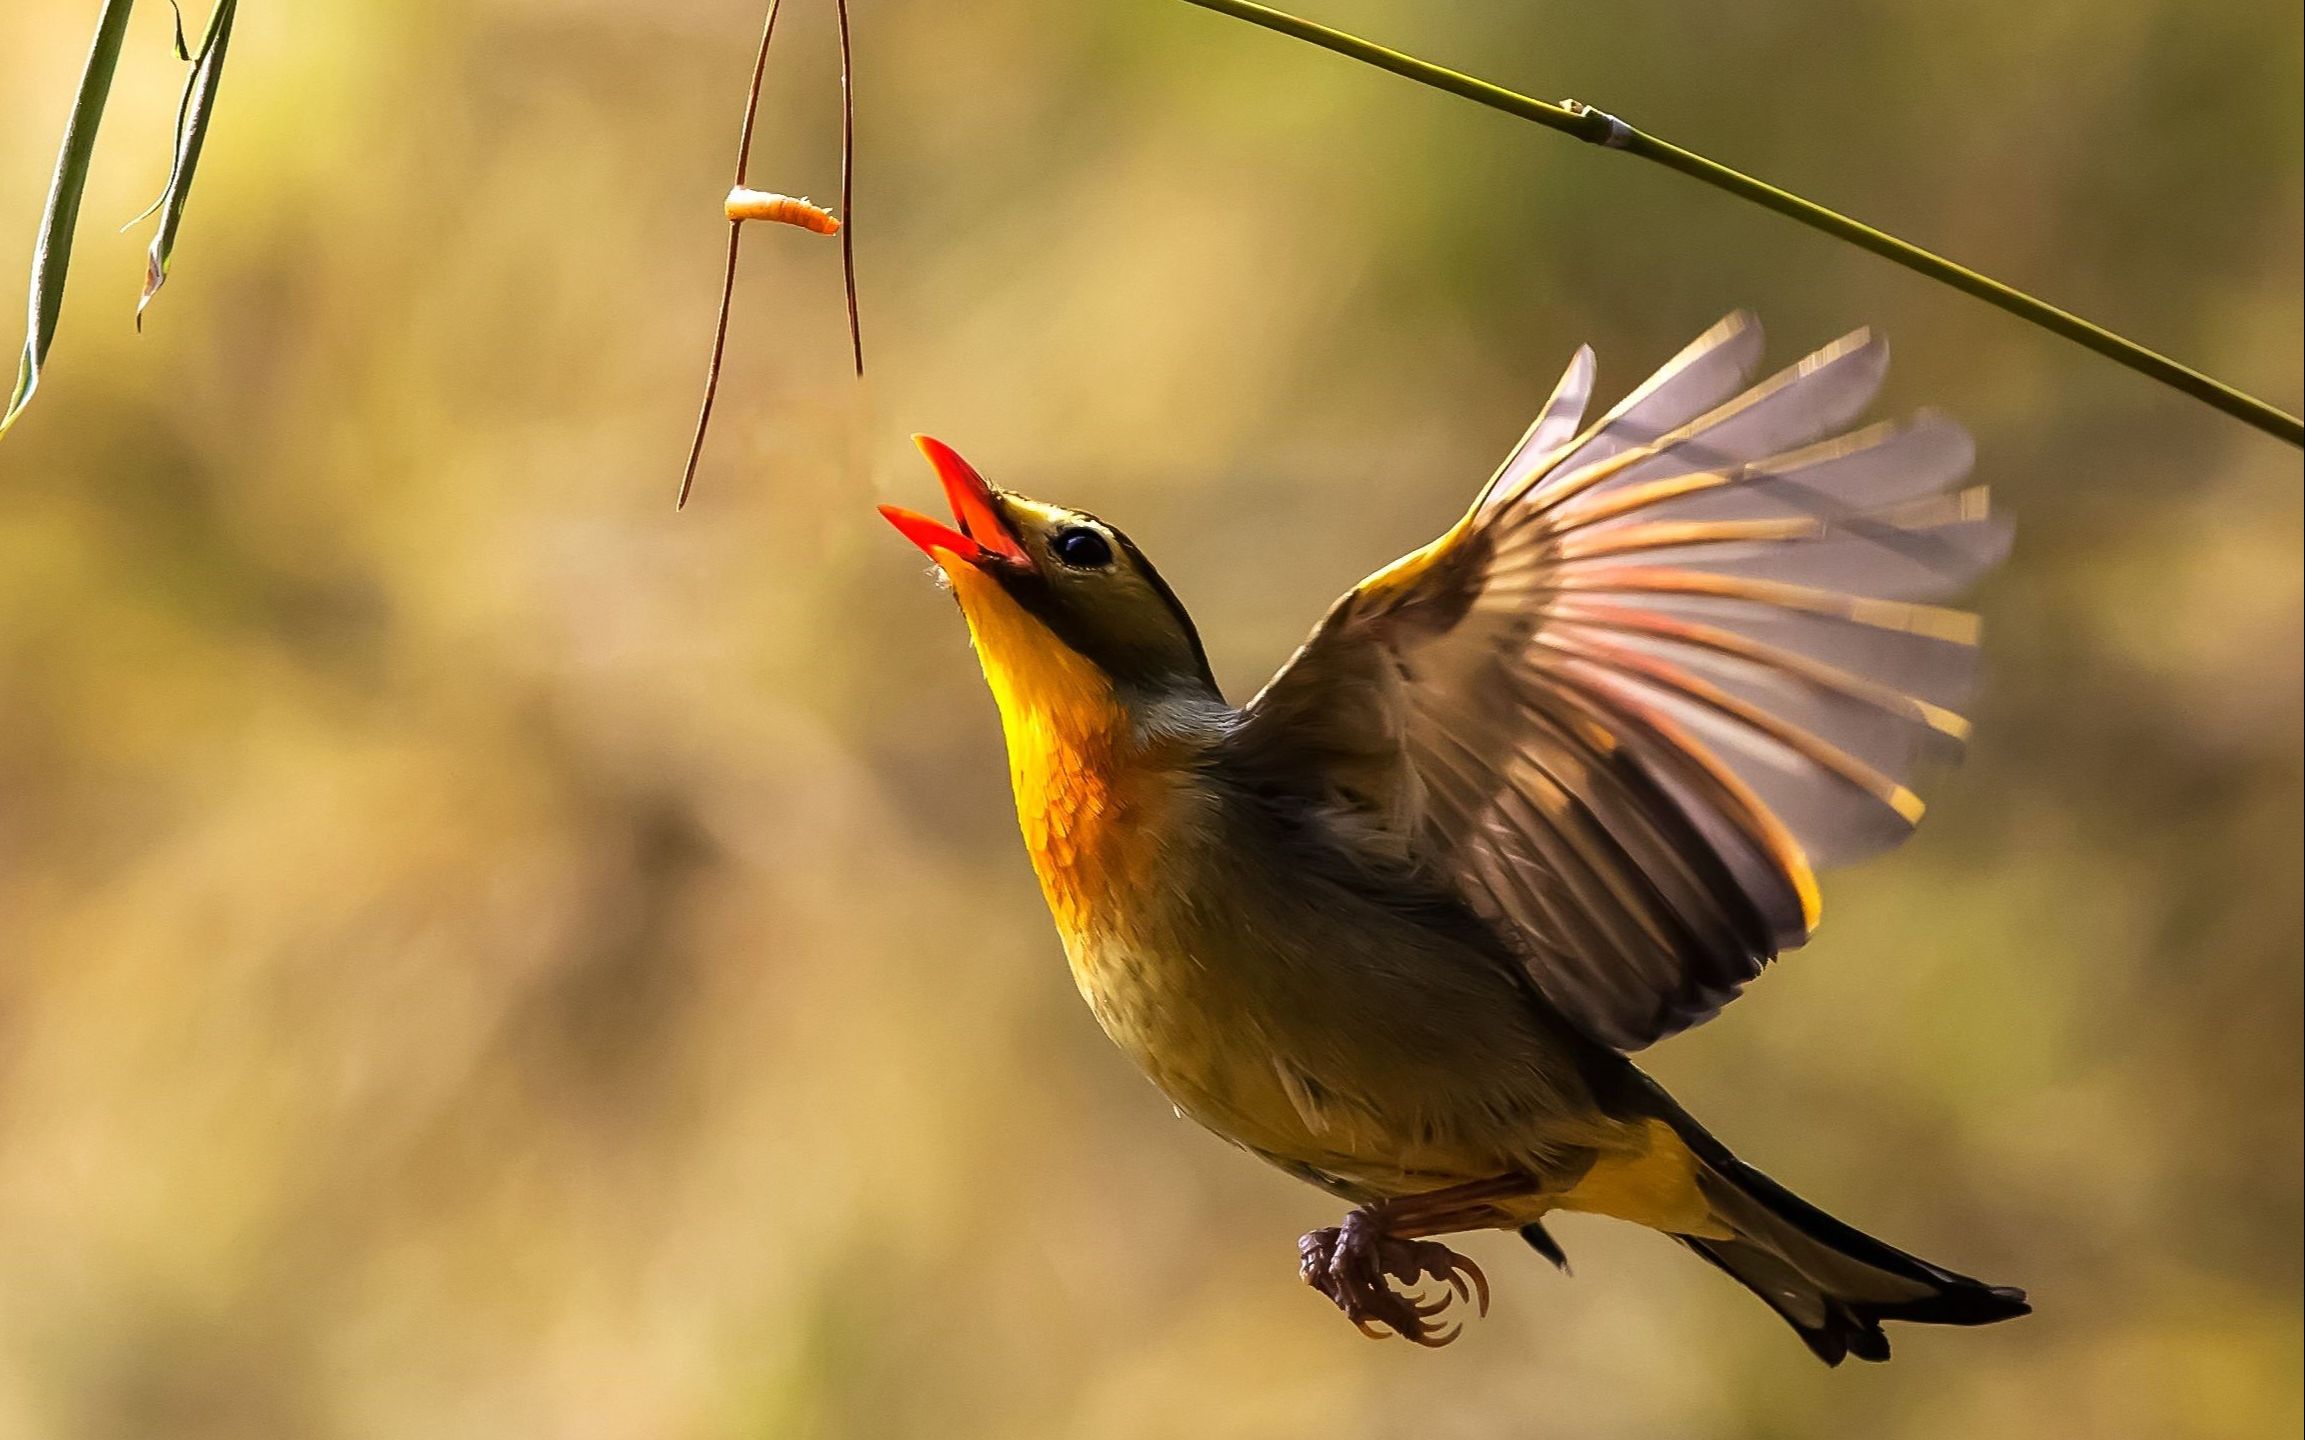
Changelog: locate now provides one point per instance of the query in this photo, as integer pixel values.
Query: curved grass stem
(1598, 127)
(52, 251)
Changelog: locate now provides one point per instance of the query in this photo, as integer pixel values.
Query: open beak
(982, 538)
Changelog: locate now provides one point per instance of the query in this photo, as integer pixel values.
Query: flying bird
(1532, 797)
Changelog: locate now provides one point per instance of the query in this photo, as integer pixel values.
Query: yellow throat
(1085, 786)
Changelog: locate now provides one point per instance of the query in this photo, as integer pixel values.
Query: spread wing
(1666, 664)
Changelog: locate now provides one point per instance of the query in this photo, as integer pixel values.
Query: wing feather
(1555, 425)
(1664, 665)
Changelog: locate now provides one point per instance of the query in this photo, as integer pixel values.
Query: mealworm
(744, 204)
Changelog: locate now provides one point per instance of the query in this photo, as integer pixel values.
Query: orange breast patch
(1090, 812)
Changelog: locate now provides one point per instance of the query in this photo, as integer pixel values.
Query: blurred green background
(484, 955)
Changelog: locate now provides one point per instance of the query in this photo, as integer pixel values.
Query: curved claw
(1376, 1280)
(1464, 1268)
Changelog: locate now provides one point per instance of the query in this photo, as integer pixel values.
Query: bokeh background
(484, 955)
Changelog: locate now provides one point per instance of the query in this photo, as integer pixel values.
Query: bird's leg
(1356, 1263)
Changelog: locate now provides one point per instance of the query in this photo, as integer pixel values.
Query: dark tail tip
(1836, 1326)
(1858, 1328)
(1830, 1281)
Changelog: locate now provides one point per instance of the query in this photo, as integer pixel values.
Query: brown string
(728, 273)
(847, 195)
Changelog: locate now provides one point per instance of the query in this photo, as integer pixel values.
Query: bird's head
(1055, 598)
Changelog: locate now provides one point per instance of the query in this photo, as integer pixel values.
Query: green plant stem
(193, 114)
(1600, 128)
(52, 252)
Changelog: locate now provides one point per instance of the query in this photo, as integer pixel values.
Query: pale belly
(1347, 1068)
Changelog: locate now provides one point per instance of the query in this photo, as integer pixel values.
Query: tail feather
(1832, 1283)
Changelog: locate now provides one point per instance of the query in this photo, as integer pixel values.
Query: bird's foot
(1356, 1263)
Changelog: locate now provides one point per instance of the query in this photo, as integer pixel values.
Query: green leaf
(52, 251)
(192, 116)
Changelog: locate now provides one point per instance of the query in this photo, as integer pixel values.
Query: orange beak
(983, 537)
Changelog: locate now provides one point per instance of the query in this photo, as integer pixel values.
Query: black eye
(1082, 549)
